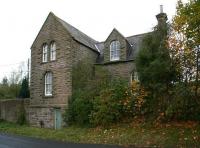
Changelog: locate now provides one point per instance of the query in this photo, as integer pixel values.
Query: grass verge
(184, 134)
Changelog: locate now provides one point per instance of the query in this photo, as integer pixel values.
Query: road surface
(10, 141)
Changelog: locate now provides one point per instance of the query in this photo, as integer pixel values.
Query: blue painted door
(58, 119)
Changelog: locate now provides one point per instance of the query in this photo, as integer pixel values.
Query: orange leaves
(134, 97)
(139, 93)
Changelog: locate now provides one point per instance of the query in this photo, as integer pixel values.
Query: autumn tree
(184, 42)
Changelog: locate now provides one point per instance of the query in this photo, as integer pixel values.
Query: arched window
(48, 84)
(114, 50)
(53, 51)
(44, 52)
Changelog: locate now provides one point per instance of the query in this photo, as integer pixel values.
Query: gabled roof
(78, 35)
(133, 41)
(115, 30)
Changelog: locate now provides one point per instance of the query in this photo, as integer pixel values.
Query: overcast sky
(21, 21)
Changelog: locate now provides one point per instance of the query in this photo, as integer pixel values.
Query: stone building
(56, 49)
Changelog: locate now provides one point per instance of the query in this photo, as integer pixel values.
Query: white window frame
(48, 84)
(134, 76)
(53, 51)
(115, 51)
(44, 53)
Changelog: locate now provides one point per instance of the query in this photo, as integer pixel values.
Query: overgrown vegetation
(14, 88)
(86, 86)
(155, 69)
(98, 100)
(133, 134)
(16, 84)
(9, 89)
(168, 68)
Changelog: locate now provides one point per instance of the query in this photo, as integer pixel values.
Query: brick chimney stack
(161, 17)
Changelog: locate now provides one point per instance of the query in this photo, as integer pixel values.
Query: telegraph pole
(197, 71)
(28, 70)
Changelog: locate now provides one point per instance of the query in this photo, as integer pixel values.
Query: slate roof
(79, 36)
(134, 41)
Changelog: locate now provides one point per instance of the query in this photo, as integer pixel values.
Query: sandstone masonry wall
(9, 109)
(119, 69)
(41, 106)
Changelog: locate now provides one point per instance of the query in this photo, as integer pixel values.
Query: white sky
(21, 21)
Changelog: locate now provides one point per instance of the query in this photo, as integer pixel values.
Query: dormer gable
(116, 47)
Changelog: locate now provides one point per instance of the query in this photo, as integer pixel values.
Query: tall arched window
(114, 50)
(44, 52)
(48, 84)
(53, 51)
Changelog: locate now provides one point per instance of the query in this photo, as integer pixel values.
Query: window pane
(114, 50)
(45, 50)
(48, 83)
(53, 51)
(136, 76)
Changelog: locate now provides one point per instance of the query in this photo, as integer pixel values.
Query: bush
(108, 106)
(99, 100)
(183, 105)
(86, 86)
(79, 108)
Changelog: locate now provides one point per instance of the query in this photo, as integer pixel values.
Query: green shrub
(86, 86)
(79, 108)
(97, 99)
(108, 106)
(183, 105)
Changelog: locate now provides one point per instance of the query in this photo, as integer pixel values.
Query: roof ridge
(80, 31)
(137, 35)
(119, 33)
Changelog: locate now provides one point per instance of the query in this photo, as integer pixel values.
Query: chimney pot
(161, 8)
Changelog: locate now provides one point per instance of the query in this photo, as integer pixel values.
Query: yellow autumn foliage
(135, 94)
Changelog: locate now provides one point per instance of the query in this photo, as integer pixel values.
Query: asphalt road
(8, 141)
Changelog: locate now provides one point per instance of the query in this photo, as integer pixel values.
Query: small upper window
(53, 51)
(48, 84)
(115, 50)
(134, 76)
(45, 53)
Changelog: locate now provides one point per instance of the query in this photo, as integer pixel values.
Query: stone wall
(9, 109)
(45, 115)
(83, 53)
(68, 53)
(119, 69)
(39, 115)
(52, 30)
(41, 106)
